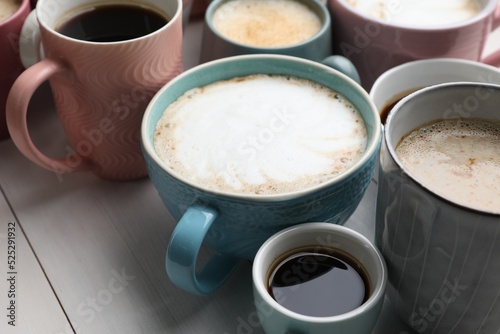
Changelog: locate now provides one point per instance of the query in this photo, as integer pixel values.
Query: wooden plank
(27, 301)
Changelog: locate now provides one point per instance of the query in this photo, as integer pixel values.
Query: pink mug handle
(17, 108)
(494, 58)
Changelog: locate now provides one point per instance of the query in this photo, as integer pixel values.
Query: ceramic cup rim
(487, 10)
(321, 229)
(325, 26)
(16, 15)
(371, 148)
(419, 65)
(392, 150)
(41, 19)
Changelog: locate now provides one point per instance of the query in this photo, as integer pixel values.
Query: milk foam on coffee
(266, 23)
(457, 159)
(418, 12)
(8, 7)
(260, 134)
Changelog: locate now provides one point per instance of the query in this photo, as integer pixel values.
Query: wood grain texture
(37, 308)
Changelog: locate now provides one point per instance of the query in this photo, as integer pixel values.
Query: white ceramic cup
(401, 80)
(276, 319)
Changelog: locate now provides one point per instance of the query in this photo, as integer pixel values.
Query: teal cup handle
(183, 249)
(343, 65)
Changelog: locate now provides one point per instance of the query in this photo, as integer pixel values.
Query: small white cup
(404, 79)
(275, 318)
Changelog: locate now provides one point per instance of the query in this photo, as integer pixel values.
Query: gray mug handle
(343, 65)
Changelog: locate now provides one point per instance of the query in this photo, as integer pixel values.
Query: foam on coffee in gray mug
(260, 134)
(269, 23)
(8, 7)
(418, 12)
(458, 159)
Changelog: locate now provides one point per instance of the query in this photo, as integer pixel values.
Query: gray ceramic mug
(442, 257)
(318, 47)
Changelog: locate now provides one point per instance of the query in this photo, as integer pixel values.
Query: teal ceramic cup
(317, 47)
(277, 319)
(236, 225)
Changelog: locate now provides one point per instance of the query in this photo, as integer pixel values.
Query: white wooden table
(89, 253)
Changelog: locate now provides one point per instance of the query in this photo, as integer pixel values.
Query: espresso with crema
(8, 7)
(260, 134)
(458, 159)
(266, 23)
(418, 12)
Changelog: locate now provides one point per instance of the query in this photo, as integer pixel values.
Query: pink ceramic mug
(100, 89)
(10, 64)
(375, 45)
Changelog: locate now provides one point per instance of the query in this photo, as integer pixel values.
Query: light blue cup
(236, 225)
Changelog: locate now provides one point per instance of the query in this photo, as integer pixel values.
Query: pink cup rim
(23, 9)
(487, 10)
(46, 26)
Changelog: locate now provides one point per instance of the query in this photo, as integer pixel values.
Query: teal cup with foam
(217, 45)
(235, 225)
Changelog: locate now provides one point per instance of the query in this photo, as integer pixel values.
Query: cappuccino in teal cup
(243, 147)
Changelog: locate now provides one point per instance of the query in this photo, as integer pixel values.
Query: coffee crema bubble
(260, 134)
(418, 12)
(458, 159)
(8, 8)
(266, 23)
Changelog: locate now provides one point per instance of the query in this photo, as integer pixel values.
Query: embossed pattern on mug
(113, 93)
(246, 224)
